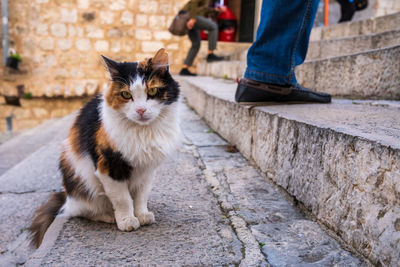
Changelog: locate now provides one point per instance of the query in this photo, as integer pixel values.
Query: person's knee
(213, 26)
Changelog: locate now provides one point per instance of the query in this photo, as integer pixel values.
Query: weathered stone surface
(83, 44)
(342, 161)
(372, 75)
(350, 45)
(17, 212)
(101, 46)
(368, 26)
(190, 229)
(20, 147)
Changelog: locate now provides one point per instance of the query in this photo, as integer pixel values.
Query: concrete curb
(349, 181)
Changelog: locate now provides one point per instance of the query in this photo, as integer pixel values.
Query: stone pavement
(212, 208)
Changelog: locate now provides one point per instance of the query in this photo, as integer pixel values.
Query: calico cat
(116, 142)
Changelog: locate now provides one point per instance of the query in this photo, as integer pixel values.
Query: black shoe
(213, 57)
(186, 72)
(250, 92)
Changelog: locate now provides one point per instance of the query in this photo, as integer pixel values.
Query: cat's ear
(160, 60)
(112, 66)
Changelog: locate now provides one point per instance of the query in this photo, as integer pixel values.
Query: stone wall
(33, 112)
(61, 41)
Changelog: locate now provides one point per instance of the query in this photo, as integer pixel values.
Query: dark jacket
(198, 8)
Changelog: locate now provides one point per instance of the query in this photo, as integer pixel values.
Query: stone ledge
(368, 26)
(355, 44)
(342, 160)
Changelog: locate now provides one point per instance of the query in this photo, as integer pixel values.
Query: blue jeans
(282, 40)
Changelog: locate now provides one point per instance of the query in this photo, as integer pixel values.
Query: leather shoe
(250, 92)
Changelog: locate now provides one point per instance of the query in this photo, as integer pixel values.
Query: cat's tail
(44, 216)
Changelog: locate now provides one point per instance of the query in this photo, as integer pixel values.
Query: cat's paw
(146, 218)
(128, 224)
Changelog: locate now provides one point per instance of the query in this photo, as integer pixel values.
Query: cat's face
(140, 91)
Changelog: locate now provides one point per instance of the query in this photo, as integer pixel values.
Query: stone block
(148, 7)
(40, 113)
(162, 35)
(106, 17)
(83, 44)
(69, 15)
(58, 29)
(118, 5)
(101, 46)
(94, 32)
(42, 29)
(64, 44)
(47, 43)
(165, 8)
(157, 21)
(83, 4)
(75, 31)
(127, 18)
(173, 46)
(115, 47)
(143, 34)
(49, 61)
(151, 46)
(128, 46)
(61, 73)
(141, 20)
(114, 33)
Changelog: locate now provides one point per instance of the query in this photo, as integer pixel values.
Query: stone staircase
(320, 186)
(341, 161)
(361, 63)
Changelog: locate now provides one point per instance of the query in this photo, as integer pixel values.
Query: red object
(227, 27)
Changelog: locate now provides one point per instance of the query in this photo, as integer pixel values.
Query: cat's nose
(141, 111)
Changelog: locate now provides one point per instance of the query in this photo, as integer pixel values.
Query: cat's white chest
(144, 146)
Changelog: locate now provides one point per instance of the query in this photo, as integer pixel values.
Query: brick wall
(61, 41)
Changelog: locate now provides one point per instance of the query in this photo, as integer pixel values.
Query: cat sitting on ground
(116, 142)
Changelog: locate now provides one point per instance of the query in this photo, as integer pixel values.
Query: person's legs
(282, 40)
(194, 36)
(281, 45)
(209, 25)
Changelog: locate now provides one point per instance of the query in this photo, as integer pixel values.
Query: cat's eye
(126, 95)
(152, 91)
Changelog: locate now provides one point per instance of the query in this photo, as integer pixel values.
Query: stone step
(18, 148)
(374, 74)
(340, 160)
(349, 45)
(354, 28)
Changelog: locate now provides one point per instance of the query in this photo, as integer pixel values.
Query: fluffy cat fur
(116, 142)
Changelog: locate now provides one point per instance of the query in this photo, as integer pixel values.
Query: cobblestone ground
(212, 208)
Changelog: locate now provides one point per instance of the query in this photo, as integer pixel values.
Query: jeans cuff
(270, 77)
